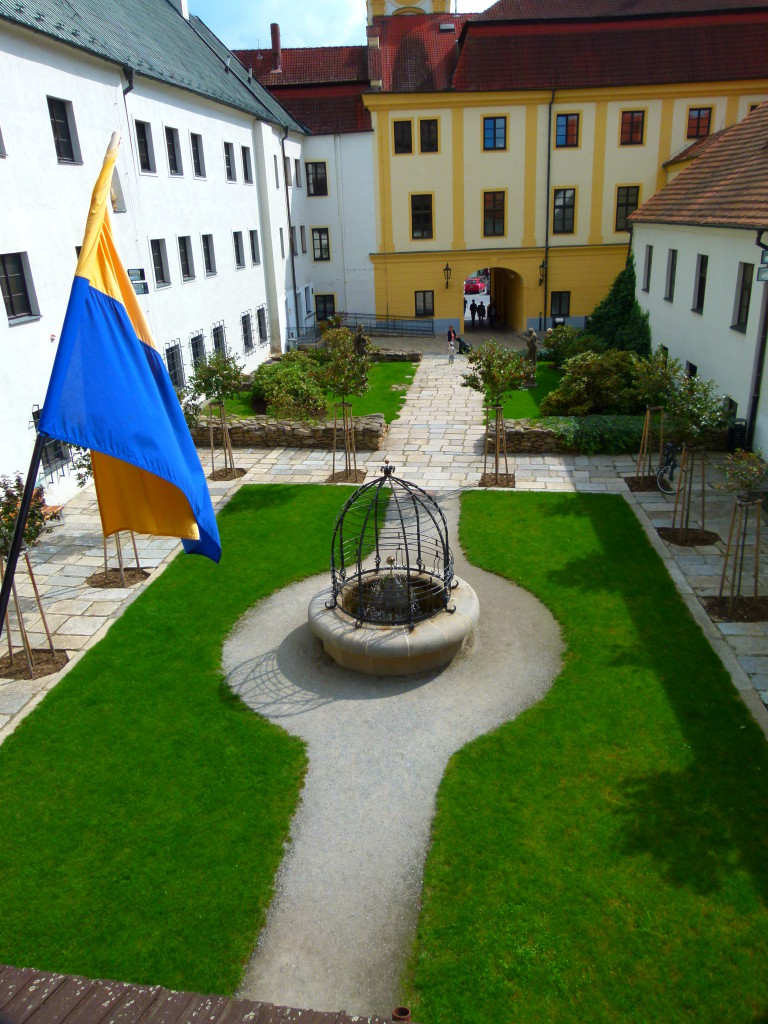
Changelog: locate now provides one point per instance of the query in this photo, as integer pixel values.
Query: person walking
(491, 314)
(451, 343)
(481, 313)
(473, 311)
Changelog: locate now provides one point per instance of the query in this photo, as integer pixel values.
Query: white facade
(239, 298)
(722, 338)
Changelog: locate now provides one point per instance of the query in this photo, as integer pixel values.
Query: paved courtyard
(436, 443)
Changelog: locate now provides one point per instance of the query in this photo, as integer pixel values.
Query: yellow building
(519, 143)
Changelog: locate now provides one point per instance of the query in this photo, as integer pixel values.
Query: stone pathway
(437, 443)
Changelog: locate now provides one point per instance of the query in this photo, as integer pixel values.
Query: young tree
(215, 380)
(494, 372)
(345, 374)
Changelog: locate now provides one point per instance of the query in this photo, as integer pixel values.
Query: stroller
(463, 346)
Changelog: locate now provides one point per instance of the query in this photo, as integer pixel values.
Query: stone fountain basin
(395, 650)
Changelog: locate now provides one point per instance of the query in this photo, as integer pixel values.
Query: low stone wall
(395, 357)
(262, 432)
(524, 439)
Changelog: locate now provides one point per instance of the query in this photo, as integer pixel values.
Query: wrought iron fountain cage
(391, 563)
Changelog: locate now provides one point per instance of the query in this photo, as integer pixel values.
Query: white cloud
(244, 24)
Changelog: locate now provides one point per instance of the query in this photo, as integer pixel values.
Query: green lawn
(380, 397)
(604, 858)
(143, 808)
(525, 404)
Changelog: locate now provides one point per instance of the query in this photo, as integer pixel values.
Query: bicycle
(666, 471)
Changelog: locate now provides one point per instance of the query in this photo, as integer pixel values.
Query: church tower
(385, 8)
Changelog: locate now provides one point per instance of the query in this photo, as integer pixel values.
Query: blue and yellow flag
(110, 392)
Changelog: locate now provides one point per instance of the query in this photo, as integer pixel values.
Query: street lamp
(542, 271)
(447, 274)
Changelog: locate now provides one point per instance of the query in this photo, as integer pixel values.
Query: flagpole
(18, 533)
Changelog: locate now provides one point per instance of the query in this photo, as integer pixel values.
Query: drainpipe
(290, 234)
(546, 227)
(757, 376)
(129, 74)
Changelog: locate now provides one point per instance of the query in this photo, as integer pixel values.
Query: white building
(698, 246)
(199, 195)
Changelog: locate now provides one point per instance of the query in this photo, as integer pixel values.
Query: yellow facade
(584, 251)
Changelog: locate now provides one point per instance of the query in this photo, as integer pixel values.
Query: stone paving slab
(438, 443)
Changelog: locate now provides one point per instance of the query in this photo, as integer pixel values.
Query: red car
(474, 285)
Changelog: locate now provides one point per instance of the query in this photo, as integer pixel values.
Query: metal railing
(399, 325)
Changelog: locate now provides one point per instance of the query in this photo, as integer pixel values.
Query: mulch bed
(226, 474)
(641, 483)
(687, 538)
(113, 579)
(745, 609)
(342, 477)
(503, 480)
(44, 663)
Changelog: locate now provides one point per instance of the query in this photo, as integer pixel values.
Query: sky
(244, 24)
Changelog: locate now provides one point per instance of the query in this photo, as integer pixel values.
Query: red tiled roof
(578, 56)
(339, 112)
(696, 148)
(41, 997)
(308, 65)
(726, 186)
(416, 56)
(552, 10)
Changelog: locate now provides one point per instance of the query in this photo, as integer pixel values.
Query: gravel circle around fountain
(343, 918)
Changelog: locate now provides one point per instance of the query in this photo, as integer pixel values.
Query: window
(175, 364)
(297, 172)
(209, 255)
(325, 307)
(700, 286)
(632, 127)
(145, 147)
(567, 130)
(743, 295)
(494, 133)
(699, 121)
(13, 282)
(229, 161)
(137, 277)
(561, 304)
(247, 165)
(55, 454)
(307, 299)
(219, 334)
(287, 170)
(64, 132)
(493, 213)
(627, 201)
(116, 197)
(317, 180)
(255, 251)
(277, 173)
(647, 268)
(198, 157)
(261, 324)
(303, 233)
(421, 216)
(294, 246)
(321, 244)
(2, 146)
(160, 262)
(246, 327)
(428, 135)
(282, 244)
(669, 285)
(237, 241)
(174, 153)
(185, 258)
(403, 136)
(691, 369)
(425, 303)
(197, 347)
(564, 211)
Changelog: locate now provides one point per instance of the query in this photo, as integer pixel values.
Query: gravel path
(342, 922)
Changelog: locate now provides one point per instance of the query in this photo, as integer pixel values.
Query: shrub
(347, 362)
(618, 321)
(563, 342)
(594, 382)
(11, 493)
(290, 388)
(655, 378)
(592, 435)
(694, 407)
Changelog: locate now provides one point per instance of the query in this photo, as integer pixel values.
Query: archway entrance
(507, 292)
